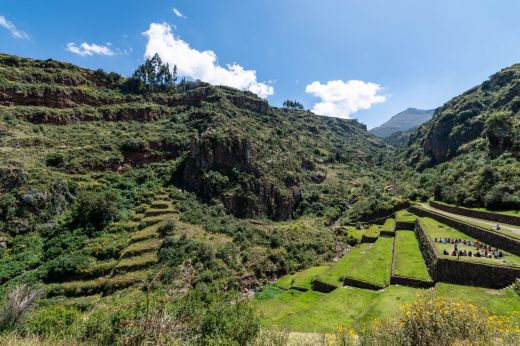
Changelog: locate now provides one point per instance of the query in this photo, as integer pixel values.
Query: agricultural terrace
(405, 216)
(504, 212)
(409, 261)
(374, 231)
(348, 306)
(375, 265)
(335, 274)
(302, 279)
(441, 232)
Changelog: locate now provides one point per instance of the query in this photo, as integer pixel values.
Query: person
(477, 254)
(436, 239)
(444, 252)
(500, 254)
(498, 227)
(454, 253)
(470, 253)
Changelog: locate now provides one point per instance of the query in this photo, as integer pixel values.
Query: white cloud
(340, 99)
(200, 64)
(85, 49)
(179, 13)
(12, 29)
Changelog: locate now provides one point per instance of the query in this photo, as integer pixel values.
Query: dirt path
(492, 225)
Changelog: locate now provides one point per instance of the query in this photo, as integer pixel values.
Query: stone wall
(486, 215)
(323, 287)
(361, 284)
(495, 239)
(404, 225)
(462, 272)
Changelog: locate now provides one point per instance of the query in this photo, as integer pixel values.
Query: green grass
(142, 246)
(504, 212)
(324, 312)
(435, 229)
(337, 272)
(408, 258)
(375, 265)
(375, 230)
(355, 233)
(301, 279)
(145, 259)
(405, 216)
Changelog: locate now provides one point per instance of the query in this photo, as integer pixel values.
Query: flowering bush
(439, 321)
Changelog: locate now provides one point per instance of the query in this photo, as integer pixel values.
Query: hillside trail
(491, 224)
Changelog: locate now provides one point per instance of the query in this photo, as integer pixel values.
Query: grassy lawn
(505, 212)
(375, 265)
(301, 279)
(408, 258)
(325, 312)
(355, 233)
(436, 229)
(405, 216)
(337, 272)
(373, 231)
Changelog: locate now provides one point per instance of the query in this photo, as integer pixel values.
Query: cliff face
(488, 113)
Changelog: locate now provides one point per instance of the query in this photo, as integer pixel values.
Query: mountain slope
(86, 162)
(403, 121)
(472, 145)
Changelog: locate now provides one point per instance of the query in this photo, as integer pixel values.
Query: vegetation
(375, 266)
(408, 258)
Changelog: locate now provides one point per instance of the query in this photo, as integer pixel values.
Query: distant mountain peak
(403, 121)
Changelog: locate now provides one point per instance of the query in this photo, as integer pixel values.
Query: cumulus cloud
(179, 13)
(340, 99)
(88, 49)
(12, 28)
(200, 64)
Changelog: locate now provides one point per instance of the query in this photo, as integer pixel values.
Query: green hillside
(469, 151)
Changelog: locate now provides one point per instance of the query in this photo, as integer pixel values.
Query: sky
(358, 59)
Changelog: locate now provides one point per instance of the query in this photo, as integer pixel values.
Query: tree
(153, 75)
(292, 104)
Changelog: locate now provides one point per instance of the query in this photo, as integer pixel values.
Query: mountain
(103, 178)
(403, 121)
(469, 151)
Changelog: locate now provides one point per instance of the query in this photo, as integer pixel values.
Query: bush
(55, 320)
(96, 209)
(439, 321)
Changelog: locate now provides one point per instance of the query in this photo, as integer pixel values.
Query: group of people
(481, 250)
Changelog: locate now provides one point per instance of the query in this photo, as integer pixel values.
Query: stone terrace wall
(496, 239)
(404, 225)
(486, 215)
(361, 284)
(462, 272)
(323, 287)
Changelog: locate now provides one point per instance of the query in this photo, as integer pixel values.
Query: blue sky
(402, 53)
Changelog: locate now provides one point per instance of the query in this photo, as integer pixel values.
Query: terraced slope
(136, 260)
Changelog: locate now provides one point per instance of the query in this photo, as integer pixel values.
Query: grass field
(436, 229)
(375, 265)
(337, 272)
(408, 258)
(374, 230)
(504, 212)
(325, 312)
(405, 216)
(301, 279)
(355, 233)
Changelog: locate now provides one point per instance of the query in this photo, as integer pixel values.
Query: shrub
(439, 321)
(96, 209)
(55, 320)
(19, 302)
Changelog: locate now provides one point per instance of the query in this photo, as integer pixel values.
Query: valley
(201, 214)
